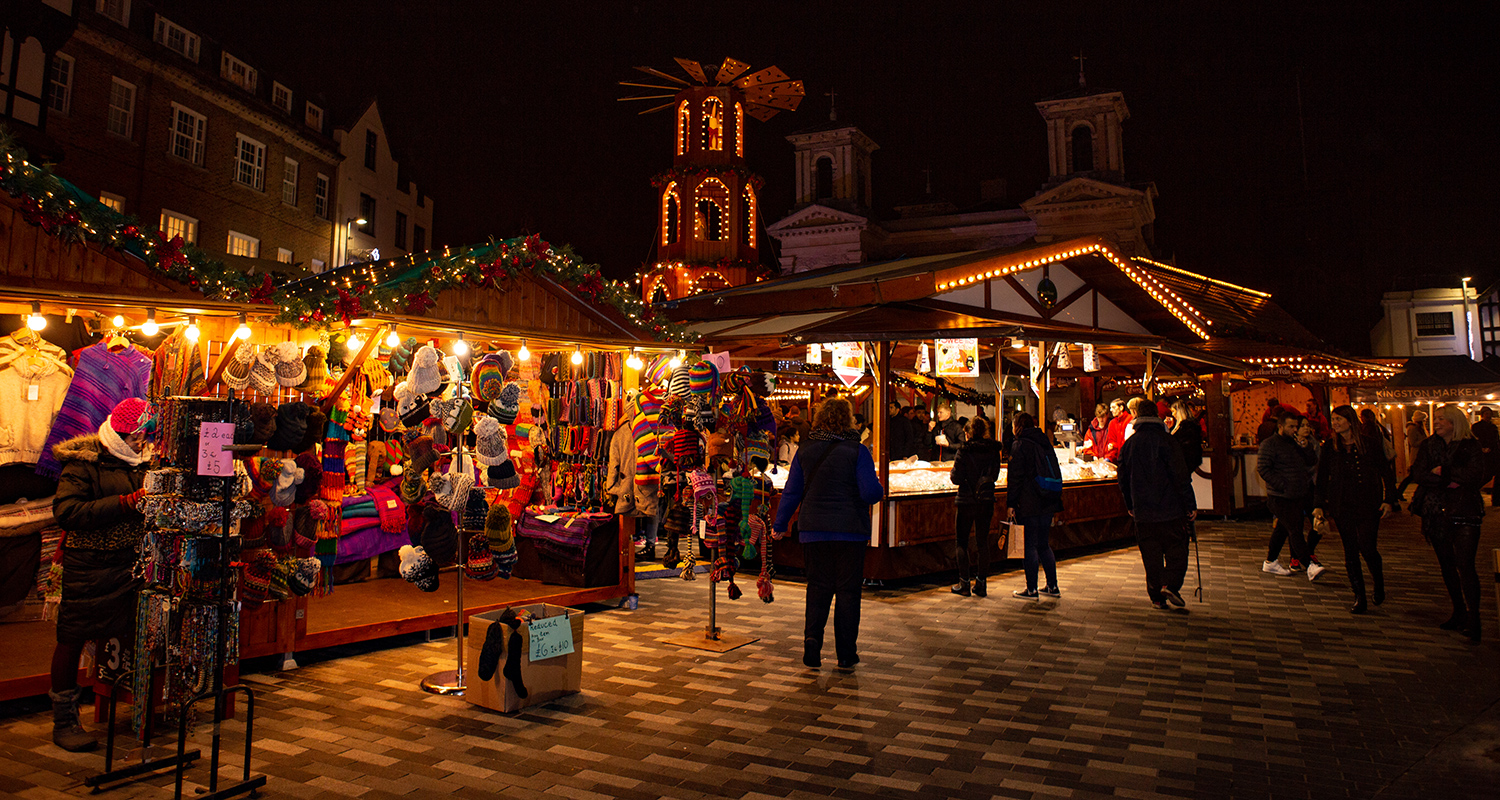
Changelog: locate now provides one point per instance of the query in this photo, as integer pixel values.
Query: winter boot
(66, 732)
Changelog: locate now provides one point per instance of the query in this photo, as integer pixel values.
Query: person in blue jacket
(832, 482)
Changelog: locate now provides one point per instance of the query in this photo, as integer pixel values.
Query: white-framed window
(281, 97)
(114, 201)
(242, 245)
(318, 265)
(320, 197)
(289, 183)
(177, 38)
(238, 72)
(121, 120)
(283, 255)
(60, 88)
(188, 131)
(249, 162)
(315, 117)
(117, 10)
(175, 224)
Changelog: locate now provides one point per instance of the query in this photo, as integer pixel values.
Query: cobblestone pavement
(1268, 688)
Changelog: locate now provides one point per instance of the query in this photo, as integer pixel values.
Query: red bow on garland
(349, 305)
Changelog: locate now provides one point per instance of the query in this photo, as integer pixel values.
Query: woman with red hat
(96, 501)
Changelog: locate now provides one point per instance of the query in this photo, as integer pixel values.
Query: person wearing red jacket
(1114, 437)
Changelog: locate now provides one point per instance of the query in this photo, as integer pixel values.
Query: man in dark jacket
(949, 429)
(1158, 493)
(1285, 465)
(1489, 442)
(897, 434)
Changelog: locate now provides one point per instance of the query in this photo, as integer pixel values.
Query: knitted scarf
(117, 446)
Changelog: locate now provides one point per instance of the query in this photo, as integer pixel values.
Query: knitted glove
(133, 499)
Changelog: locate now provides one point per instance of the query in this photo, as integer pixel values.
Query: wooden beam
(218, 371)
(371, 342)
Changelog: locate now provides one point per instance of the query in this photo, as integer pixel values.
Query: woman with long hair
(1449, 471)
(975, 470)
(1356, 488)
(1188, 434)
(833, 482)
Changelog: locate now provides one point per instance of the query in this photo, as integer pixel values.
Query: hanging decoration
(1090, 358)
(958, 358)
(1064, 360)
(924, 362)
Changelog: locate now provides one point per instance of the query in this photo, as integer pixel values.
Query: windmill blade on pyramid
(767, 92)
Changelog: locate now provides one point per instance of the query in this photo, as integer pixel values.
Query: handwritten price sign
(213, 459)
(551, 637)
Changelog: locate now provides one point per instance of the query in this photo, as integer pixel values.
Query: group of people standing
(913, 433)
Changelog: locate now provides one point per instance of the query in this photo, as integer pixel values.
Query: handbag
(1050, 486)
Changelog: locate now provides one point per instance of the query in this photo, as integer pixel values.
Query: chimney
(992, 189)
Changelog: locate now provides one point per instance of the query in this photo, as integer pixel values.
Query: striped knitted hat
(658, 371)
(488, 377)
(703, 377)
(681, 382)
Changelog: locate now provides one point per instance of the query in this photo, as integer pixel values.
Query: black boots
(66, 732)
(961, 589)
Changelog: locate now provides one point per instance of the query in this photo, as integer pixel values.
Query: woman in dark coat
(1188, 434)
(1356, 487)
(1031, 456)
(95, 506)
(974, 472)
(1449, 471)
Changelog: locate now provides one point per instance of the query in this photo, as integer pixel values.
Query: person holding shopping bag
(1033, 493)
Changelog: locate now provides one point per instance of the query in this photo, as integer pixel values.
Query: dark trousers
(1359, 533)
(976, 516)
(1038, 551)
(1290, 514)
(834, 570)
(1164, 552)
(1456, 553)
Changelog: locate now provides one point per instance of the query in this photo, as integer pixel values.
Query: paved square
(1269, 688)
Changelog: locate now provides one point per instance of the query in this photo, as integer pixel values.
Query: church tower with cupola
(707, 204)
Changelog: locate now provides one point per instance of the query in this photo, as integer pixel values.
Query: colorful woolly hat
(508, 404)
(703, 378)
(681, 382)
(758, 450)
(489, 442)
(291, 426)
(389, 420)
(475, 511)
(132, 415)
(303, 576)
(316, 364)
(237, 372)
(426, 373)
(289, 369)
(489, 374)
(658, 371)
(400, 360)
(263, 415)
(418, 569)
(480, 563)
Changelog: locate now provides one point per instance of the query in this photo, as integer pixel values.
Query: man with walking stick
(1158, 493)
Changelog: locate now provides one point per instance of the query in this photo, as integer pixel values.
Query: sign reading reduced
(550, 637)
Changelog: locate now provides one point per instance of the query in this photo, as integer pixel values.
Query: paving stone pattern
(1269, 688)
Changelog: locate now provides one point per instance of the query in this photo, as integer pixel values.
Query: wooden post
(218, 372)
(1148, 383)
(370, 344)
(878, 437)
(1220, 458)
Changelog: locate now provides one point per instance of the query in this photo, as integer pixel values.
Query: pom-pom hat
(489, 442)
(426, 373)
(489, 374)
(290, 371)
(132, 415)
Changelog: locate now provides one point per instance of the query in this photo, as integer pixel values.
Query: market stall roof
(1437, 379)
(1239, 313)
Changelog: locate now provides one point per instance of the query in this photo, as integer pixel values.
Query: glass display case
(912, 477)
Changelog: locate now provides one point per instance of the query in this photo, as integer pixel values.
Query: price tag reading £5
(213, 459)
(551, 637)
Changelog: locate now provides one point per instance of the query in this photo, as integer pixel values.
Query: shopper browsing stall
(975, 470)
(1033, 489)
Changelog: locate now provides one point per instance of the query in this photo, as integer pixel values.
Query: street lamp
(349, 234)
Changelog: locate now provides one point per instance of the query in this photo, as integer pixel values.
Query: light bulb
(393, 341)
(577, 356)
(1018, 343)
(150, 327)
(523, 353)
(243, 331)
(353, 343)
(676, 360)
(460, 347)
(119, 321)
(634, 361)
(36, 321)
(192, 331)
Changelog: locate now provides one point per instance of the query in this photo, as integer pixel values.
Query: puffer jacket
(1354, 480)
(88, 503)
(1460, 462)
(975, 470)
(1286, 467)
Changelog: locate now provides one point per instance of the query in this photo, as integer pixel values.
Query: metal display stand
(713, 638)
(450, 682)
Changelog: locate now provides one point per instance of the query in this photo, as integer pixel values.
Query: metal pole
(713, 602)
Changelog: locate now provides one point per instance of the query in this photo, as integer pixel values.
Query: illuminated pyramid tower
(707, 208)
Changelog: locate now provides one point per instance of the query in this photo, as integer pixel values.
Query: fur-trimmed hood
(87, 447)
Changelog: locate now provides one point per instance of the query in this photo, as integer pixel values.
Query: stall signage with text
(550, 637)
(1270, 372)
(849, 362)
(958, 358)
(213, 459)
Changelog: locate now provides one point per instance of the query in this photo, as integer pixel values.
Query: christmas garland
(694, 175)
(946, 390)
(405, 285)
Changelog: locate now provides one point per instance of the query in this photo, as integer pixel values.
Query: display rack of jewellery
(187, 619)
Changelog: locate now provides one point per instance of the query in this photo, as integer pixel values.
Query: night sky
(506, 114)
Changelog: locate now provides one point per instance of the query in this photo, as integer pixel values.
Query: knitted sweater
(27, 419)
(100, 380)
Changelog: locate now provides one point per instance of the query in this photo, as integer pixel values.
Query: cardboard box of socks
(502, 676)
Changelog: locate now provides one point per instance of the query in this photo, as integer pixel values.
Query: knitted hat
(503, 475)
(263, 373)
(316, 364)
(255, 579)
(480, 565)
(418, 569)
(658, 371)
(263, 416)
(475, 511)
(489, 376)
(489, 446)
(426, 373)
(288, 478)
(703, 377)
(719, 446)
(497, 527)
(237, 372)
(422, 453)
(132, 415)
(312, 467)
(400, 360)
(508, 404)
(439, 536)
(451, 488)
(289, 369)
(302, 578)
(758, 451)
(389, 420)
(454, 413)
(317, 429)
(291, 426)
(681, 381)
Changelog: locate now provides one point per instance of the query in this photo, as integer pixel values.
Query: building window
(115, 202)
(289, 183)
(242, 245)
(175, 224)
(1083, 149)
(320, 197)
(281, 97)
(713, 124)
(671, 214)
(176, 38)
(371, 141)
(823, 178)
(283, 255)
(367, 212)
(121, 119)
(318, 265)
(314, 117)
(684, 126)
(401, 229)
(117, 10)
(60, 89)
(249, 162)
(1436, 323)
(187, 134)
(418, 239)
(739, 130)
(748, 207)
(238, 72)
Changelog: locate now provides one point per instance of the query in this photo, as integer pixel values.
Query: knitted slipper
(489, 657)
